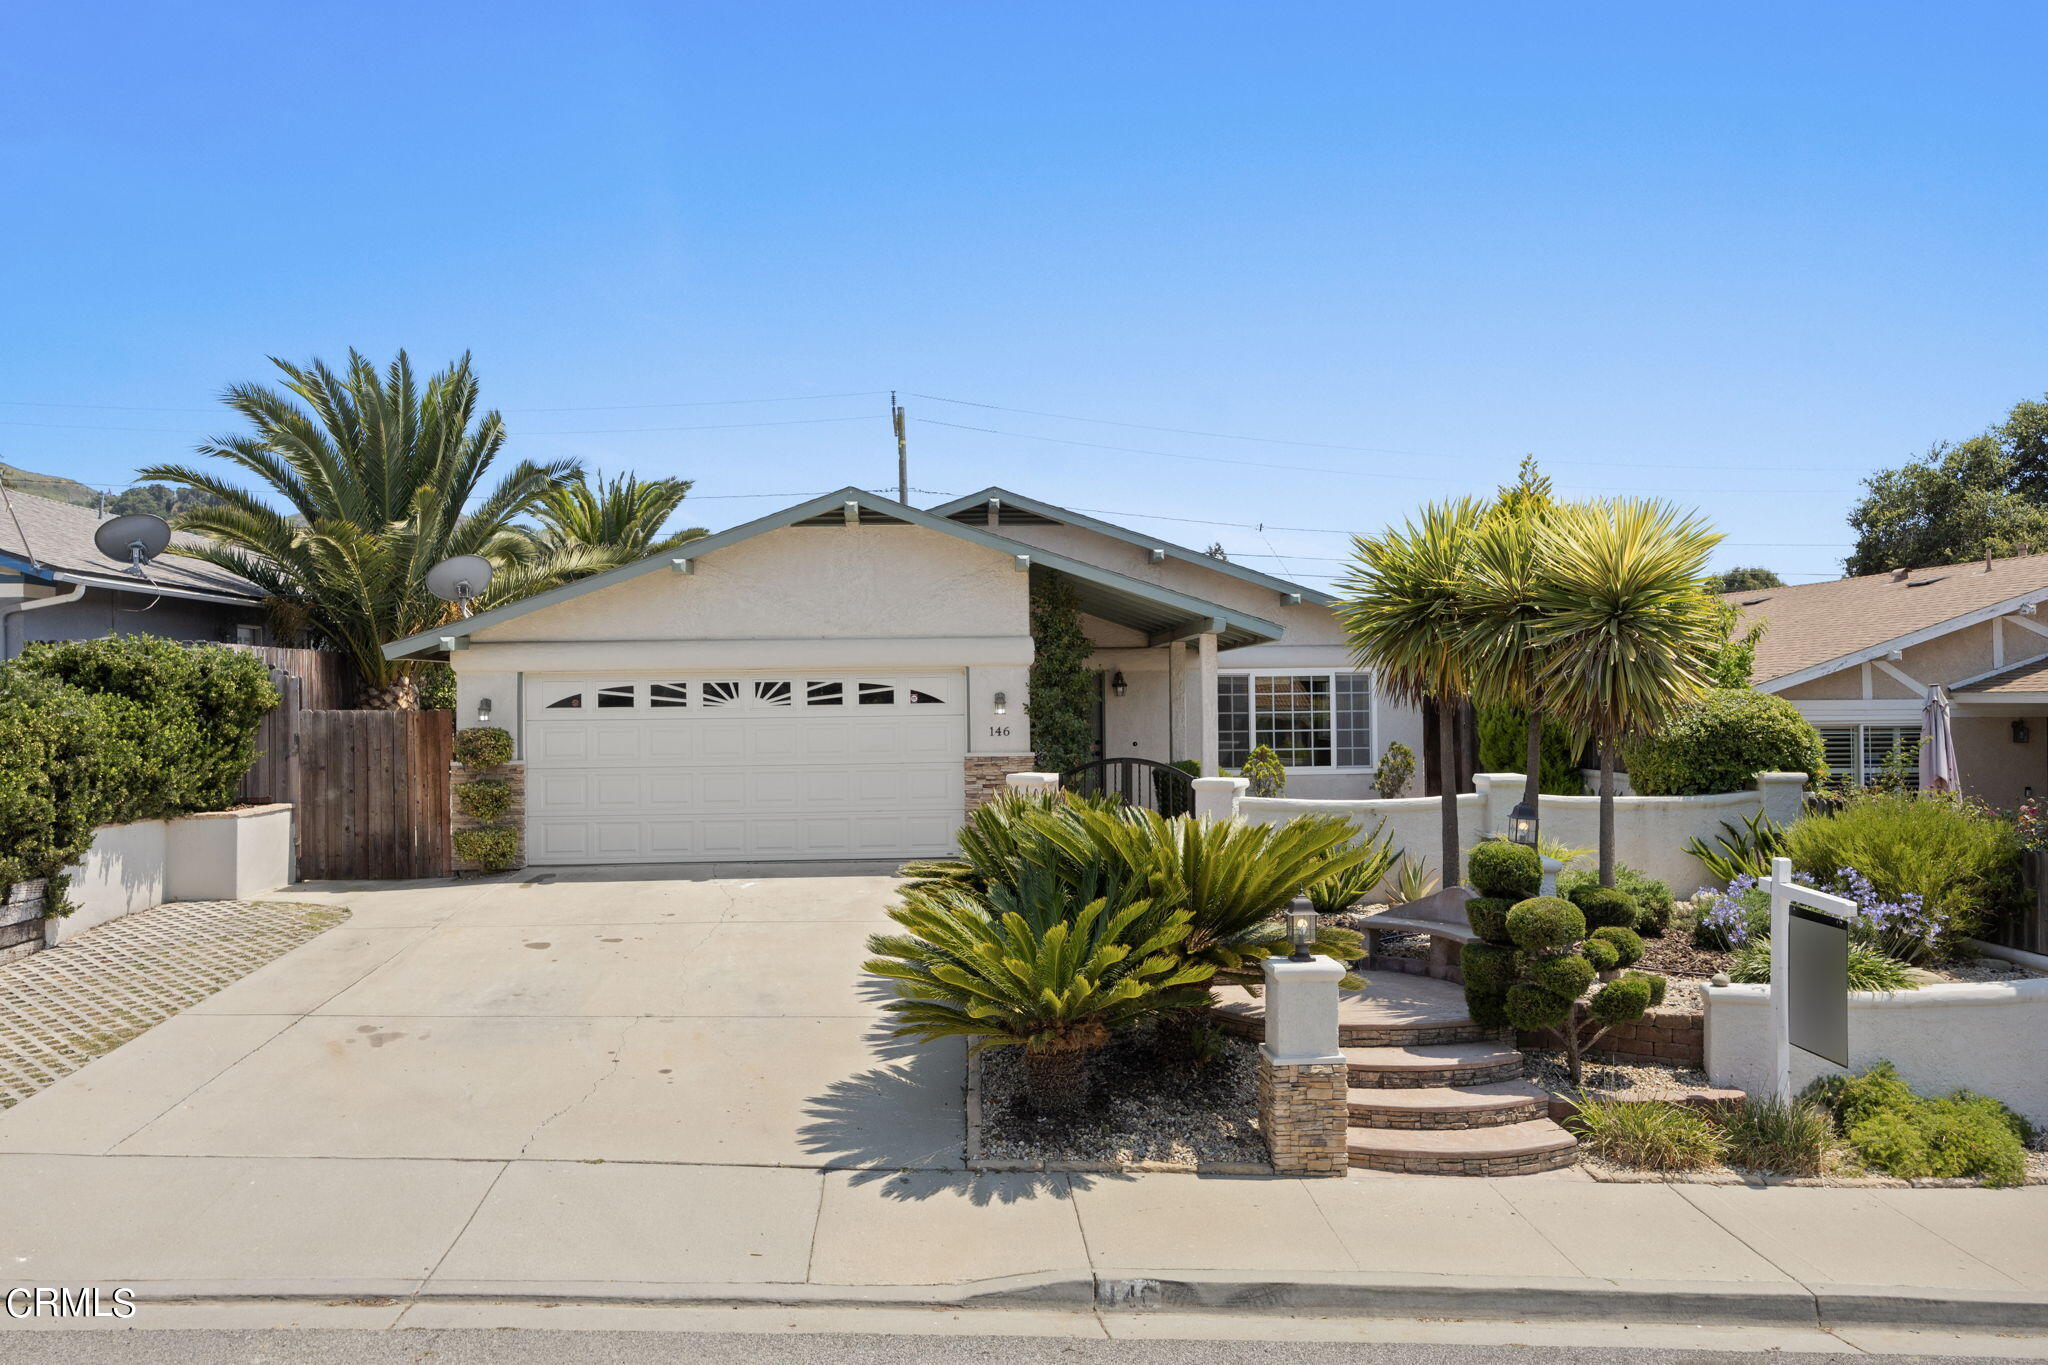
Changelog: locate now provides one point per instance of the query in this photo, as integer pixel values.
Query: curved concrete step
(1433, 1064)
(1503, 1149)
(1441, 1107)
(1394, 1009)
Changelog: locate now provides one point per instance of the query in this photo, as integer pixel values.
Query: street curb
(1303, 1293)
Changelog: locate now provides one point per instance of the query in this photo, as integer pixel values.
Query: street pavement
(652, 1085)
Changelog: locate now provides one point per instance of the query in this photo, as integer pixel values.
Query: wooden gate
(373, 794)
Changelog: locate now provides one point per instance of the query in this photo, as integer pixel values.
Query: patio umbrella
(1937, 744)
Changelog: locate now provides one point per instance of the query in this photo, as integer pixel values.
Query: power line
(597, 431)
(608, 407)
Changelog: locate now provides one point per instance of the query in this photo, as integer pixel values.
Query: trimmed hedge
(124, 728)
(488, 800)
(1497, 867)
(1545, 924)
(1721, 742)
(1628, 947)
(483, 746)
(1488, 916)
(1606, 906)
(492, 850)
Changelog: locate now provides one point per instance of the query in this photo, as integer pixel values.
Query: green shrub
(1784, 1139)
(1396, 766)
(1959, 1135)
(1870, 967)
(483, 746)
(1534, 1009)
(1504, 748)
(1652, 897)
(1488, 916)
(1621, 1000)
(1657, 985)
(1487, 968)
(493, 850)
(1654, 1135)
(1602, 954)
(1545, 922)
(488, 800)
(52, 739)
(1336, 894)
(1720, 742)
(1486, 1009)
(1606, 906)
(1497, 867)
(1960, 858)
(1628, 948)
(1565, 974)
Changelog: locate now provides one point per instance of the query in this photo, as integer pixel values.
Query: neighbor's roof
(1160, 612)
(1817, 628)
(43, 538)
(1016, 509)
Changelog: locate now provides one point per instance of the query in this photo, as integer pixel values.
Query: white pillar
(1209, 743)
(1782, 794)
(1175, 705)
(1216, 798)
(1301, 1011)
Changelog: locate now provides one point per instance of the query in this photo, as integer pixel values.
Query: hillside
(51, 486)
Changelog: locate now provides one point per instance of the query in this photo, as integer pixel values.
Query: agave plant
(1744, 850)
(1337, 893)
(1030, 966)
(1413, 880)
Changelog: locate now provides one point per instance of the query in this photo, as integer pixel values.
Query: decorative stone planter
(228, 855)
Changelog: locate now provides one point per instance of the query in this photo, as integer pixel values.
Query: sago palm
(1404, 602)
(378, 480)
(1625, 632)
(1031, 967)
(623, 514)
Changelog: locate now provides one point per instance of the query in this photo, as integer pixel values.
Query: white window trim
(1372, 708)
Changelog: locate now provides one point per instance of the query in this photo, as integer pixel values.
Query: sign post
(1809, 973)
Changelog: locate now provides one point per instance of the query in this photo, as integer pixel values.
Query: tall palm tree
(381, 481)
(1625, 633)
(1404, 603)
(1503, 611)
(625, 513)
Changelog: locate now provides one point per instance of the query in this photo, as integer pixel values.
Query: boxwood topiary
(1488, 916)
(1720, 742)
(488, 800)
(1602, 954)
(1545, 922)
(483, 746)
(1565, 974)
(1620, 1000)
(493, 850)
(1535, 1009)
(1628, 946)
(1606, 905)
(1484, 1009)
(1657, 985)
(1487, 968)
(1497, 867)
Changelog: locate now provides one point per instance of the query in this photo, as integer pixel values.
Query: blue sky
(1737, 254)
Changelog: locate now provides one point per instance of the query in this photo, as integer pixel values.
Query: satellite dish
(459, 579)
(134, 539)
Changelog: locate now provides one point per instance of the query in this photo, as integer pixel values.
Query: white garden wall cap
(239, 812)
(1317, 968)
(1214, 784)
(1161, 612)
(1934, 996)
(963, 509)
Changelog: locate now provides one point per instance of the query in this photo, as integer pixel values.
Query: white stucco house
(840, 679)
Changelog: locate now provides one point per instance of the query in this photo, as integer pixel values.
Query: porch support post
(1174, 707)
(1204, 704)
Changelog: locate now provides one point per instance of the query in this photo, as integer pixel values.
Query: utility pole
(902, 451)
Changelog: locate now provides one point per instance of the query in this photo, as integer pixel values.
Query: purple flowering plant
(1900, 927)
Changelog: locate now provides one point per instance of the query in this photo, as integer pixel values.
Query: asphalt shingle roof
(59, 535)
(1814, 623)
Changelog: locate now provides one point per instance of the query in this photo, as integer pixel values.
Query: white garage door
(691, 768)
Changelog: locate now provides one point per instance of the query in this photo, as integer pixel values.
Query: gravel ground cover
(1617, 1080)
(1146, 1114)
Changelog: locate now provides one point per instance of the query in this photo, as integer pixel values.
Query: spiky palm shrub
(1502, 610)
(378, 481)
(1032, 967)
(1340, 891)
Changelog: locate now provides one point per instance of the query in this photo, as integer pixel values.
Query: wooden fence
(306, 680)
(373, 794)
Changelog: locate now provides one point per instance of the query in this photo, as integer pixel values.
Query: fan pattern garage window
(1311, 720)
(877, 694)
(825, 694)
(737, 694)
(717, 694)
(668, 694)
(615, 698)
(1859, 755)
(774, 693)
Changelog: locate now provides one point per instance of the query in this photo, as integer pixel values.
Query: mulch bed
(1675, 956)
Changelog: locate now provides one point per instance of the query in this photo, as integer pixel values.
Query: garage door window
(668, 694)
(615, 698)
(877, 694)
(774, 693)
(717, 694)
(572, 702)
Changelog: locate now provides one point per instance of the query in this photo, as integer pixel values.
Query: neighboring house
(1857, 656)
(56, 585)
(841, 678)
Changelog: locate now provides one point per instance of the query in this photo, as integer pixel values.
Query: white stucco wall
(123, 871)
(229, 854)
(1984, 1036)
(1650, 832)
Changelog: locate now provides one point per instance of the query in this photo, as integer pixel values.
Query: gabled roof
(1015, 508)
(1160, 612)
(1816, 629)
(48, 540)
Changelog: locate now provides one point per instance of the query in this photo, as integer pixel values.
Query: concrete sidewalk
(672, 1090)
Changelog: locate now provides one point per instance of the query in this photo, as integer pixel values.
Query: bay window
(1313, 719)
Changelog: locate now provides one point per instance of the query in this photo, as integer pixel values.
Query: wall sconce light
(1301, 930)
(483, 710)
(1117, 683)
(2020, 733)
(1002, 703)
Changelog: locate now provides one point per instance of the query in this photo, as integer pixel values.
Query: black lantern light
(1522, 823)
(1301, 930)
(1117, 683)
(2020, 733)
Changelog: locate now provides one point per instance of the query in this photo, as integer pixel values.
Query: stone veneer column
(988, 774)
(1303, 1107)
(513, 775)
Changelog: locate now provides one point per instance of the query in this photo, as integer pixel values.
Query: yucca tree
(623, 514)
(1502, 609)
(1030, 966)
(1405, 603)
(1625, 632)
(379, 480)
